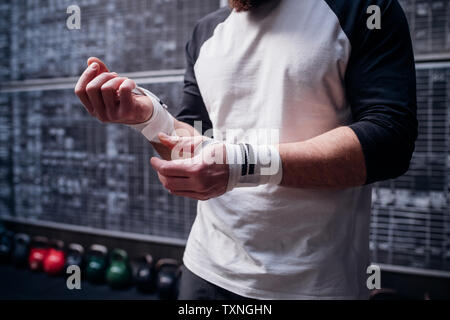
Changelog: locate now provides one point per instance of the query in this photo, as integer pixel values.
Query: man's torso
(281, 67)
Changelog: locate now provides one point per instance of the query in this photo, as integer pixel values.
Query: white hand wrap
(160, 121)
(251, 165)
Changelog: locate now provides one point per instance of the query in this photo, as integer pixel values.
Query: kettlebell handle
(98, 248)
(119, 255)
(75, 247)
(39, 241)
(56, 244)
(22, 238)
(166, 262)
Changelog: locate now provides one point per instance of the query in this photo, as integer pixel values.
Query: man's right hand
(109, 97)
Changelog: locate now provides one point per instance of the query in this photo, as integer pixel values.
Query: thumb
(157, 163)
(169, 141)
(102, 65)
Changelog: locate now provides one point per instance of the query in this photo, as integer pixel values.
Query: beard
(246, 5)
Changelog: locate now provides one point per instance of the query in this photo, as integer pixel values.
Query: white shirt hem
(252, 293)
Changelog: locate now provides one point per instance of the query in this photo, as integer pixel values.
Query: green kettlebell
(96, 263)
(118, 274)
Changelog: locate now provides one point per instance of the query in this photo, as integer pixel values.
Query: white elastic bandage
(160, 121)
(251, 165)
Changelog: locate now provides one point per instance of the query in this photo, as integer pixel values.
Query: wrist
(144, 118)
(159, 119)
(253, 165)
(148, 111)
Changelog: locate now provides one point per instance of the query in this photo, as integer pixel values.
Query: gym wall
(61, 168)
(410, 229)
(60, 165)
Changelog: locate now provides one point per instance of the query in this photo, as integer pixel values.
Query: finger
(176, 183)
(80, 88)
(126, 99)
(172, 168)
(95, 95)
(182, 147)
(171, 141)
(109, 94)
(103, 67)
(168, 141)
(125, 94)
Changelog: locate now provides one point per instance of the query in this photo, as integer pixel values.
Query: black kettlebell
(74, 255)
(21, 250)
(168, 271)
(6, 246)
(145, 275)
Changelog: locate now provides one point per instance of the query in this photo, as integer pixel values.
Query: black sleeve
(192, 107)
(381, 89)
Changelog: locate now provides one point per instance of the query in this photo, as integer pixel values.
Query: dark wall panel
(72, 169)
(57, 164)
(429, 21)
(410, 216)
(130, 35)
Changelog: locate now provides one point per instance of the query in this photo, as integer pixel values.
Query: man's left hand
(193, 173)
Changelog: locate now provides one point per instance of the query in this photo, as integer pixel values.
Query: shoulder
(204, 29)
(206, 25)
(214, 18)
(353, 14)
(359, 7)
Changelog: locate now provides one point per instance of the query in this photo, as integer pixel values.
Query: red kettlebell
(55, 260)
(38, 252)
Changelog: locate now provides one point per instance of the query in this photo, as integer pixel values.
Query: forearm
(332, 160)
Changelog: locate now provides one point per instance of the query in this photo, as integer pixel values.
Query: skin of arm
(331, 160)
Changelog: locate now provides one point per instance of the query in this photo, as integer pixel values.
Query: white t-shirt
(280, 67)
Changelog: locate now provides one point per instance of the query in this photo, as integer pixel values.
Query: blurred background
(65, 175)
